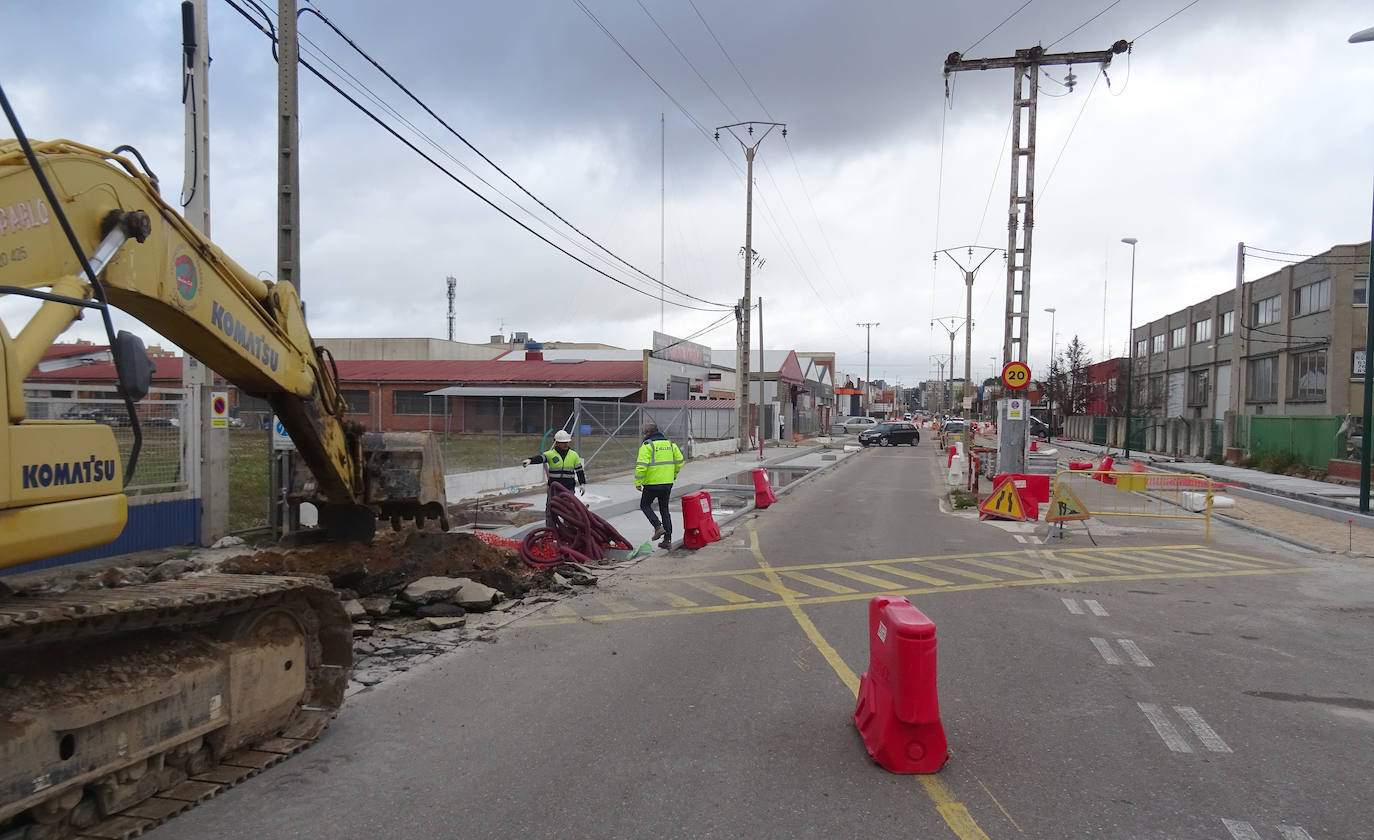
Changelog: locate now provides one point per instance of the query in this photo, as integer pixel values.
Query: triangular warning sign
(1005, 502)
(1065, 506)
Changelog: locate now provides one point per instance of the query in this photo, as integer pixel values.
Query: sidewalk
(726, 477)
(1309, 513)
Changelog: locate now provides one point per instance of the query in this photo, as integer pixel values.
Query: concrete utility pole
(951, 324)
(742, 312)
(868, 357)
(968, 271)
(762, 370)
(1026, 64)
(288, 150)
(207, 450)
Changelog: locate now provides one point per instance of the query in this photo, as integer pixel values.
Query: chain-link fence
(161, 416)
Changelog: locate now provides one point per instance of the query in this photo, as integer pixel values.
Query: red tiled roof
(456, 372)
(62, 351)
(166, 368)
(711, 403)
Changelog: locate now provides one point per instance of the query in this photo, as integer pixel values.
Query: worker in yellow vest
(565, 468)
(656, 469)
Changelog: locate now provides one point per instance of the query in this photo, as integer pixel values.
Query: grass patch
(963, 499)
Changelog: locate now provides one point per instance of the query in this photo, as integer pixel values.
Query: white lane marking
(1172, 738)
(1019, 538)
(1065, 574)
(1240, 830)
(1096, 608)
(1047, 574)
(1137, 655)
(1106, 650)
(1072, 605)
(1208, 736)
(1293, 832)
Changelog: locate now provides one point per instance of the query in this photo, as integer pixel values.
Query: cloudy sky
(1236, 120)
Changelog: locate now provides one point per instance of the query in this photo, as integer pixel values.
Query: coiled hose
(577, 535)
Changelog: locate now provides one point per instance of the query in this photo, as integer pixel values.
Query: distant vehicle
(953, 426)
(891, 434)
(107, 416)
(857, 424)
(1040, 429)
(907, 416)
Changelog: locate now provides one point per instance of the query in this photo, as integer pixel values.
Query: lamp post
(1362, 36)
(1130, 347)
(1051, 310)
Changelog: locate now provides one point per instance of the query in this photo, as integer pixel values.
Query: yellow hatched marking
(720, 592)
(1158, 556)
(881, 583)
(1230, 558)
(615, 605)
(933, 581)
(949, 571)
(769, 586)
(997, 567)
(1149, 564)
(1206, 564)
(561, 611)
(671, 599)
(1071, 562)
(812, 580)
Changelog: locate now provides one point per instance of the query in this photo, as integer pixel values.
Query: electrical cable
(1086, 22)
(1166, 20)
(716, 307)
(670, 40)
(729, 59)
(1000, 25)
(1069, 137)
(189, 82)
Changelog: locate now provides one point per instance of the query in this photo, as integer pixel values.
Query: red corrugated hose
(578, 535)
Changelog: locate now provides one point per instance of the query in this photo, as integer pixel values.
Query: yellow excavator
(119, 707)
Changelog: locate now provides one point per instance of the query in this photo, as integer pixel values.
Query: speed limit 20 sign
(1016, 375)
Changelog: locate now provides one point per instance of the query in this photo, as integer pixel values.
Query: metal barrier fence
(608, 435)
(1082, 494)
(162, 415)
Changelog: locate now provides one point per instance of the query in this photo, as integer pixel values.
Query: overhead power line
(394, 133)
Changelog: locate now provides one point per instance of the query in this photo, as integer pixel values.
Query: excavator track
(121, 708)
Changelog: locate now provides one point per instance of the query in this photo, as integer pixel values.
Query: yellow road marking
(947, 570)
(720, 592)
(893, 570)
(1230, 558)
(955, 815)
(812, 580)
(864, 596)
(881, 583)
(774, 584)
(615, 605)
(671, 599)
(1149, 564)
(1185, 562)
(1167, 555)
(1000, 568)
(1052, 557)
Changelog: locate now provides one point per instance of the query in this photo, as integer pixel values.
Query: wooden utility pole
(1021, 211)
(742, 311)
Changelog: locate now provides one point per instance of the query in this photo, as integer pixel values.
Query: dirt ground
(394, 560)
(1328, 534)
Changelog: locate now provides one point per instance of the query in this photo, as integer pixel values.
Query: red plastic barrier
(898, 712)
(763, 489)
(1034, 446)
(699, 526)
(950, 462)
(1106, 467)
(1080, 465)
(1033, 489)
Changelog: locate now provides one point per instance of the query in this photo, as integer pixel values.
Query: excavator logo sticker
(187, 279)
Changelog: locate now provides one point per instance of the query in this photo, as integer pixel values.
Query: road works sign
(1016, 375)
(1066, 506)
(1005, 502)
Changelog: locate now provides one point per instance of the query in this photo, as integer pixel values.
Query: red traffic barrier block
(1080, 465)
(763, 489)
(699, 526)
(1034, 490)
(1105, 469)
(950, 462)
(898, 712)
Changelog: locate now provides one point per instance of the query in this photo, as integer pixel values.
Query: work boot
(667, 542)
(658, 531)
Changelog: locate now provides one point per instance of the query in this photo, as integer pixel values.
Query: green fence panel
(1312, 440)
(1100, 431)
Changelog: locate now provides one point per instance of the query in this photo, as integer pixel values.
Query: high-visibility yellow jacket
(659, 461)
(563, 469)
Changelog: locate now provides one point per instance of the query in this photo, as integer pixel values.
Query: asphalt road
(1151, 685)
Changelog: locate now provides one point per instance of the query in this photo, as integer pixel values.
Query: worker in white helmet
(564, 465)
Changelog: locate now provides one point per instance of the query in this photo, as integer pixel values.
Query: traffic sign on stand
(1066, 506)
(1005, 502)
(219, 410)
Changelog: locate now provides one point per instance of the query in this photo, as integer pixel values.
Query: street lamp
(1130, 347)
(1362, 36)
(1051, 310)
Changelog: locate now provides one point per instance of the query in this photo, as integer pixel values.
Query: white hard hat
(561, 436)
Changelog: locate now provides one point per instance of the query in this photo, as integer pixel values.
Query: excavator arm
(153, 265)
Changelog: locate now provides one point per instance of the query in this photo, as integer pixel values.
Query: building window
(415, 402)
(1178, 338)
(486, 408)
(1228, 323)
(359, 402)
(1261, 376)
(1202, 331)
(1307, 376)
(1361, 290)
(1198, 390)
(1314, 297)
(1265, 311)
(1141, 348)
(1158, 343)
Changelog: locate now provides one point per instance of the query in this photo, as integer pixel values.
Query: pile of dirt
(394, 560)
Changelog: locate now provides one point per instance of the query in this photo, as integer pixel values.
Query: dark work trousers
(661, 492)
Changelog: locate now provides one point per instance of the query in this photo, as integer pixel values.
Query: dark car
(891, 434)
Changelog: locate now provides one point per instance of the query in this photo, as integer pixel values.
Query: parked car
(953, 426)
(857, 424)
(108, 416)
(891, 434)
(907, 416)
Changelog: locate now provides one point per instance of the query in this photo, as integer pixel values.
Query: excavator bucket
(405, 476)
